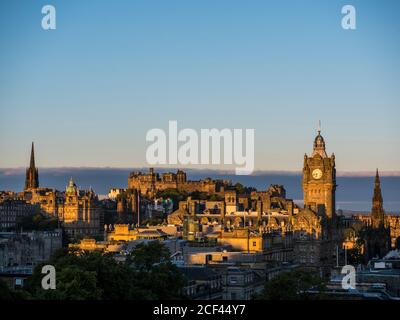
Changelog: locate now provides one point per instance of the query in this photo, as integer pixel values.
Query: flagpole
(337, 256)
(138, 209)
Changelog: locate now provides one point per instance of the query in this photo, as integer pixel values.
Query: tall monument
(319, 179)
(378, 240)
(377, 212)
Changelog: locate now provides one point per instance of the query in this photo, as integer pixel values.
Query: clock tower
(319, 180)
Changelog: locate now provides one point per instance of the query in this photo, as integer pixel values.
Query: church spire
(32, 162)
(377, 179)
(32, 174)
(377, 213)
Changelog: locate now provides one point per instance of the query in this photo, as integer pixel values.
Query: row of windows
(235, 279)
(7, 225)
(246, 296)
(306, 248)
(303, 259)
(7, 218)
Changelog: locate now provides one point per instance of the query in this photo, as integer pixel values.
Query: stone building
(314, 228)
(115, 192)
(242, 283)
(49, 200)
(272, 200)
(377, 232)
(25, 250)
(374, 234)
(319, 180)
(247, 220)
(150, 183)
(256, 209)
(12, 211)
(81, 212)
(242, 239)
(393, 222)
(7, 195)
(203, 283)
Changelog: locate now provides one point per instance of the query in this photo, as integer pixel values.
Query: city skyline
(88, 92)
(204, 157)
(353, 188)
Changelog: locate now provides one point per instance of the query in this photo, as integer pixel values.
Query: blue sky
(88, 92)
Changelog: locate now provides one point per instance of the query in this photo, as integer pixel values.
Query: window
(254, 243)
(18, 282)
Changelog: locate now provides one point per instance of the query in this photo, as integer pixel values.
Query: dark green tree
(7, 293)
(293, 285)
(73, 284)
(147, 273)
(100, 276)
(155, 273)
(172, 194)
(38, 221)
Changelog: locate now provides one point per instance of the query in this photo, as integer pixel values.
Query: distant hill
(353, 192)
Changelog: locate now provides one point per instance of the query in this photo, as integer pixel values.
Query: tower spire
(377, 179)
(32, 174)
(32, 162)
(377, 212)
(319, 127)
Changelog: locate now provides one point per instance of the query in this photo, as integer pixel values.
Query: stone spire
(32, 174)
(377, 212)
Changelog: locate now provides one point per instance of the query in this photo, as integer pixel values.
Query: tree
(293, 285)
(154, 272)
(38, 221)
(73, 284)
(145, 256)
(7, 293)
(147, 273)
(85, 275)
(239, 188)
(174, 194)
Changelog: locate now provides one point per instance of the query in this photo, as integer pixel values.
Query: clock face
(317, 174)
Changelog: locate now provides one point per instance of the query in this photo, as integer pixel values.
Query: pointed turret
(32, 173)
(377, 212)
(32, 162)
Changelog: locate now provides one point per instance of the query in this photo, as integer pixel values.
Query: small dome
(71, 188)
(319, 141)
(319, 146)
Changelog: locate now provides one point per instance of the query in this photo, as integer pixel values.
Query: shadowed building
(314, 227)
(378, 241)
